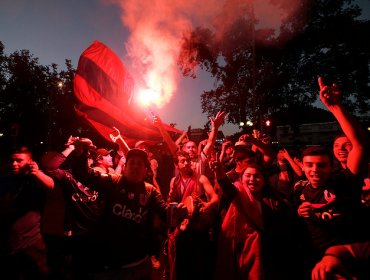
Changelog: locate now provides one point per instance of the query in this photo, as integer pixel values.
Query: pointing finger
(321, 82)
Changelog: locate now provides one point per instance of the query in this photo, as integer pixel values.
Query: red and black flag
(105, 89)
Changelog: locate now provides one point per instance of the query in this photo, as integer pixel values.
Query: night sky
(57, 30)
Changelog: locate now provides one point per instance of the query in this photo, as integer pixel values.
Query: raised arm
(225, 144)
(357, 157)
(229, 190)
(70, 146)
(267, 152)
(216, 123)
(116, 137)
(296, 168)
(201, 145)
(42, 179)
(182, 136)
(212, 197)
(87, 175)
(166, 137)
(52, 160)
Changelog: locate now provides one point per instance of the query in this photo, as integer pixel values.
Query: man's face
(317, 169)
(184, 166)
(341, 148)
(191, 149)
(20, 163)
(106, 161)
(135, 169)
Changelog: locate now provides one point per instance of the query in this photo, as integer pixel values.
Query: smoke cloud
(157, 26)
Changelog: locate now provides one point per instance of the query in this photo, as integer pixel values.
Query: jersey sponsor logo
(327, 215)
(85, 198)
(329, 197)
(125, 212)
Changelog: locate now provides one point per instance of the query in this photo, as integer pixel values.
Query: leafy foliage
(37, 102)
(259, 72)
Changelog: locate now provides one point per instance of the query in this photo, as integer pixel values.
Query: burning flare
(157, 28)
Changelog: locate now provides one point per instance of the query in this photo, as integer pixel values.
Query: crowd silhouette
(243, 210)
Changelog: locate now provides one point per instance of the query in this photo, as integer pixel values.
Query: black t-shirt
(337, 216)
(83, 206)
(124, 234)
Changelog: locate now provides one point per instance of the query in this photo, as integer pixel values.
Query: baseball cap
(241, 143)
(138, 143)
(138, 153)
(103, 152)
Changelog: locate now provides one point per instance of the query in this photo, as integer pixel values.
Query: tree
(330, 44)
(258, 73)
(24, 96)
(37, 103)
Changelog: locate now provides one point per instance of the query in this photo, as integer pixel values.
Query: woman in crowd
(258, 227)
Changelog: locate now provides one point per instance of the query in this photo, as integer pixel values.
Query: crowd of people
(240, 211)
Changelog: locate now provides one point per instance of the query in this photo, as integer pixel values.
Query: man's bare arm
(357, 157)
(216, 123)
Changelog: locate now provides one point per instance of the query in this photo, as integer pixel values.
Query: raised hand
(286, 154)
(114, 135)
(218, 120)
(33, 168)
(298, 162)
(329, 95)
(217, 167)
(71, 140)
(83, 144)
(156, 121)
(256, 134)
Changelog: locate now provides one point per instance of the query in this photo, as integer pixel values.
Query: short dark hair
(317, 151)
(241, 153)
(180, 154)
(339, 136)
(22, 150)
